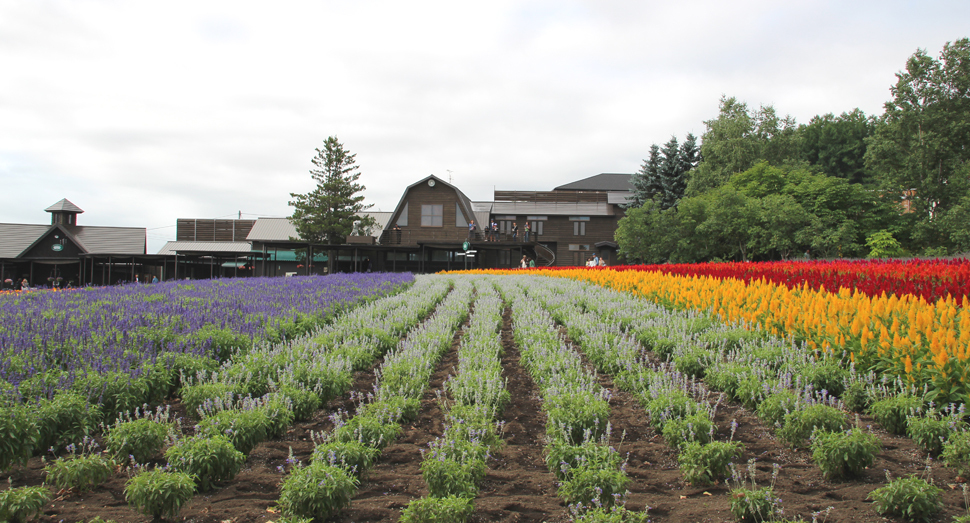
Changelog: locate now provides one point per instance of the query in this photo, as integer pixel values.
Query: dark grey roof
(600, 182)
(16, 237)
(111, 240)
(64, 205)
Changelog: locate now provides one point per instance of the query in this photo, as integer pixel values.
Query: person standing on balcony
(528, 229)
(515, 232)
(471, 230)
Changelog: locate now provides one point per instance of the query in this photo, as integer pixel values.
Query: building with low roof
(65, 253)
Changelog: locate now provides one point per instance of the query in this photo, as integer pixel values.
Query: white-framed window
(402, 219)
(432, 215)
(459, 217)
(536, 223)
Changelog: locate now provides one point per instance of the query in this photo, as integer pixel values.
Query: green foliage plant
(856, 396)
(139, 440)
(195, 395)
(304, 402)
(562, 457)
(572, 416)
(775, 406)
(911, 498)
(844, 454)
(892, 412)
(17, 505)
(80, 471)
(159, 493)
(369, 430)
(956, 453)
(351, 455)
(669, 405)
(694, 427)
(930, 432)
(208, 460)
(798, 426)
(17, 435)
(591, 484)
(317, 490)
(450, 509)
(397, 409)
(882, 244)
(704, 463)
(245, 427)
(64, 420)
(749, 502)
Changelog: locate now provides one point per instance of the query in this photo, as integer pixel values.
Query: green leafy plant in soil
(317, 490)
(892, 412)
(207, 459)
(611, 514)
(138, 439)
(587, 483)
(956, 453)
(159, 493)
(704, 463)
(930, 432)
(451, 509)
(353, 456)
(911, 498)
(80, 472)
(18, 505)
(798, 426)
(844, 454)
(17, 436)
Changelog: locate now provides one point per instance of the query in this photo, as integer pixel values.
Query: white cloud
(143, 113)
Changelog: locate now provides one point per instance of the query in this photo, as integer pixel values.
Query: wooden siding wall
(550, 196)
(195, 230)
(438, 195)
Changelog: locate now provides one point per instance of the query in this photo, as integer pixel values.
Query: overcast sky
(144, 112)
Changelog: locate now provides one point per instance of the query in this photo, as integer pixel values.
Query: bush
(139, 439)
(669, 405)
(279, 415)
(351, 455)
(209, 460)
(799, 425)
(451, 509)
(303, 402)
(447, 476)
(194, 396)
(956, 453)
(856, 397)
(158, 493)
(694, 427)
(394, 410)
(931, 432)
(563, 457)
(588, 483)
(17, 435)
(911, 498)
(702, 464)
(694, 362)
(81, 472)
(572, 416)
(775, 406)
(754, 504)
(725, 377)
(245, 428)
(828, 375)
(842, 454)
(892, 412)
(368, 430)
(64, 420)
(20, 504)
(316, 491)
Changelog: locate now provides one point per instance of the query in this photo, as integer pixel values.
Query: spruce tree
(672, 183)
(328, 213)
(646, 182)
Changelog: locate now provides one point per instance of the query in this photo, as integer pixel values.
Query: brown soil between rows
(518, 488)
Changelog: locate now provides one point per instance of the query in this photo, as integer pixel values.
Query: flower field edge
(924, 344)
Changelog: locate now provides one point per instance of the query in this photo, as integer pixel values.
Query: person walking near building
(524, 264)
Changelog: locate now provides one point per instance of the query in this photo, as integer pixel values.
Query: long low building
(65, 253)
(427, 231)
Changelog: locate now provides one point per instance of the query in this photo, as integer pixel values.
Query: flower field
(537, 395)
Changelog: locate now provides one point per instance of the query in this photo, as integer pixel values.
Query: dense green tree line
(762, 186)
